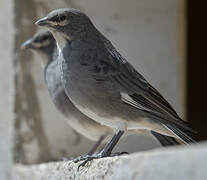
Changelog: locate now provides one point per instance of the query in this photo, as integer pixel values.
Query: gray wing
(144, 96)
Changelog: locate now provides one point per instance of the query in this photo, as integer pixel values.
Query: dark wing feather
(165, 140)
(145, 96)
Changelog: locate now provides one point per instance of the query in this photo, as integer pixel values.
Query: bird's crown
(69, 22)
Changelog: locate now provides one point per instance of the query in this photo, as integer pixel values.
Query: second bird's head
(67, 24)
(43, 43)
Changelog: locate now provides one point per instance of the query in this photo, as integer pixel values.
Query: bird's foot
(89, 158)
(77, 159)
(81, 158)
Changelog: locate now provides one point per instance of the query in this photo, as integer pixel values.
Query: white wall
(6, 87)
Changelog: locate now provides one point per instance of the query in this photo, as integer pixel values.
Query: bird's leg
(92, 151)
(110, 146)
(106, 152)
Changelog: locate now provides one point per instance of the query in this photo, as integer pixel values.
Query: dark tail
(165, 140)
(182, 134)
(180, 129)
(156, 108)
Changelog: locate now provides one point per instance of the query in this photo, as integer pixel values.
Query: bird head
(66, 24)
(43, 43)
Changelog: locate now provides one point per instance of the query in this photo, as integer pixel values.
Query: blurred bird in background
(44, 44)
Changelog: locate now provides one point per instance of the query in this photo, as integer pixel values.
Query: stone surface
(144, 31)
(184, 162)
(6, 87)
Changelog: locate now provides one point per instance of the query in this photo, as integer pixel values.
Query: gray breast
(58, 95)
(55, 88)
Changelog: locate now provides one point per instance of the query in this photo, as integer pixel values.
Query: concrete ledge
(184, 162)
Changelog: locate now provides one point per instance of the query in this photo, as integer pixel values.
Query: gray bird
(44, 43)
(104, 86)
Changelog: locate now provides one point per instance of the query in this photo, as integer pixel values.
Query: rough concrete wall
(143, 30)
(6, 87)
(186, 163)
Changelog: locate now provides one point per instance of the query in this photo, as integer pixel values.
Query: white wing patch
(175, 135)
(144, 123)
(127, 99)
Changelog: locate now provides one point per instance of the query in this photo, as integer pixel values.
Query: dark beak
(26, 45)
(43, 22)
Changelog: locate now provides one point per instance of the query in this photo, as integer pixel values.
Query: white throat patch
(61, 39)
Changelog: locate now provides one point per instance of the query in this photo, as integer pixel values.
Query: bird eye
(63, 17)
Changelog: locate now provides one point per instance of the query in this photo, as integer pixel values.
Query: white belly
(117, 123)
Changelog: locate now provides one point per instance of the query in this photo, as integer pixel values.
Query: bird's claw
(80, 158)
(89, 158)
(77, 159)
